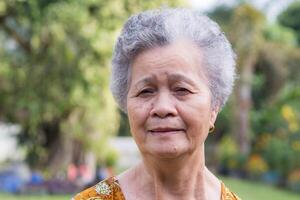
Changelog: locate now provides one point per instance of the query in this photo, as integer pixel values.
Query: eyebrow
(171, 79)
(179, 77)
(145, 81)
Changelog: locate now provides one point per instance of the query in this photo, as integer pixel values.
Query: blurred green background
(56, 105)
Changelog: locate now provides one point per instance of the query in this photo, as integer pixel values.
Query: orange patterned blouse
(109, 189)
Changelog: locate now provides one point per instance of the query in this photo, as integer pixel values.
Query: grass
(34, 197)
(246, 190)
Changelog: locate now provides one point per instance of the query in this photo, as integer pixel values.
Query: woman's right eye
(146, 92)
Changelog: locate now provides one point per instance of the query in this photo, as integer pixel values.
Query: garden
(54, 85)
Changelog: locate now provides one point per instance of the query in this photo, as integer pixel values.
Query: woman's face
(169, 102)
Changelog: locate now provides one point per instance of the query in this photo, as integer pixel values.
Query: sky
(271, 7)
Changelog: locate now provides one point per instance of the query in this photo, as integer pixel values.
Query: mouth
(164, 130)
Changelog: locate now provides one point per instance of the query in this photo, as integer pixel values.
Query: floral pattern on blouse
(110, 189)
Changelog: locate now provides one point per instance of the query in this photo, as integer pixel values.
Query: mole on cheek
(175, 149)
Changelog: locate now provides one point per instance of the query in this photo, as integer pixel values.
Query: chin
(168, 151)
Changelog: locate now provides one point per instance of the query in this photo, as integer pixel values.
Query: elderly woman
(172, 72)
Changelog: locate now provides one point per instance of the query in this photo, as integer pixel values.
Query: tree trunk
(60, 154)
(243, 104)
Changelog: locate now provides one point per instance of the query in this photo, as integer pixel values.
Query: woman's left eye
(182, 91)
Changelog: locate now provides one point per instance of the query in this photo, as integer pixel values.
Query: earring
(211, 129)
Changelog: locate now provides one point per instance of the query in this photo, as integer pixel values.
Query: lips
(165, 130)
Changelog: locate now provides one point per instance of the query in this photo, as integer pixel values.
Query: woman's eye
(182, 91)
(146, 92)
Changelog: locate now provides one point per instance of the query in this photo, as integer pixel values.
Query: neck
(182, 177)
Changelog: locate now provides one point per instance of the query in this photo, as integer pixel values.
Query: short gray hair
(160, 27)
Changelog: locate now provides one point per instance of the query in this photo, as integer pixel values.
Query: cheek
(196, 115)
(137, 115)
(197, 131)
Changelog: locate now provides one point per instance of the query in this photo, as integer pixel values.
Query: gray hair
(154, 28)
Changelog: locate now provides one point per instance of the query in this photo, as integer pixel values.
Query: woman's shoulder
(226, 194)
(107, 189)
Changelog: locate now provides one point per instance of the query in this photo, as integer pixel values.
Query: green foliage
(124, 129)
(291, 18)
(268, 63)
(54, 72)
(279, 155)
(58, 76)
(278, 133)
(280, 34)
(248, 25)
(111, 158)
(228, 153)
(222, 15)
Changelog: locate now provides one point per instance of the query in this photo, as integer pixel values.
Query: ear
(213, 116)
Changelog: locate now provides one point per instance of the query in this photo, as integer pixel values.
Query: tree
(246, 39)
(265, 55)
(291, 18)
(54, 75)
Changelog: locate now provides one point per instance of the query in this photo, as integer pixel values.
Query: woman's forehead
(178, 51)
(180, 61)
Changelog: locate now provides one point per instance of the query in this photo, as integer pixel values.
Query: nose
(163, 106)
